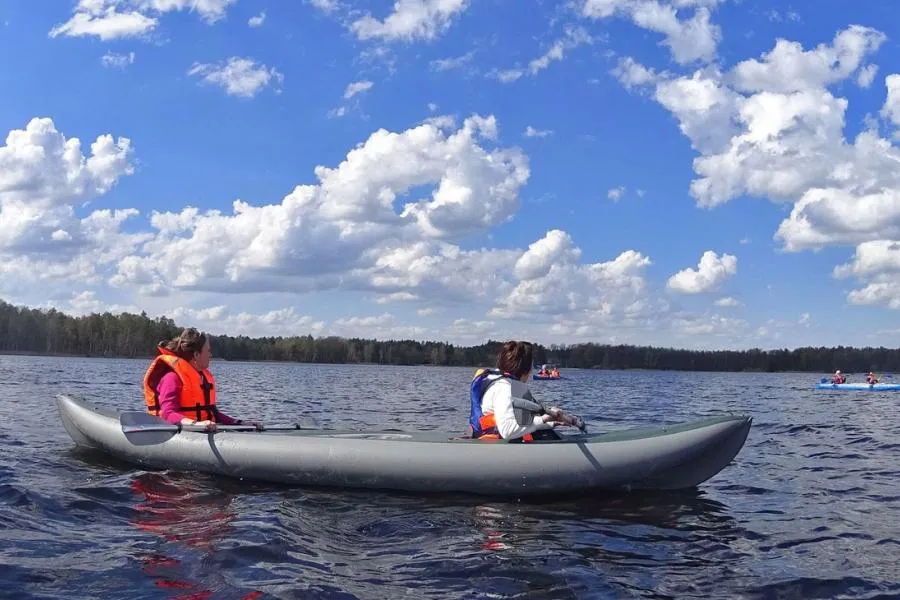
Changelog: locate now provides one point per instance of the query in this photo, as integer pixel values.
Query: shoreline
(150, 357)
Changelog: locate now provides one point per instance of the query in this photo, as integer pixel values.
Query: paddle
(573, 420)
(137, 422)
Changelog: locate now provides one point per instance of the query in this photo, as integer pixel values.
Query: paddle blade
(138, 420)
(144, 429)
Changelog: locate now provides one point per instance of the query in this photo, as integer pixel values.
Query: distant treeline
(33, 331)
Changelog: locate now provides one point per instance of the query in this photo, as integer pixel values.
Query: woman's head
(516, 358)
(191, 345)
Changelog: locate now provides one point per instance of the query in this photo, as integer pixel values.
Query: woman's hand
(553, 417)
(209, 426)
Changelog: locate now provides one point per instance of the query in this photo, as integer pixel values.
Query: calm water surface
(810, 508)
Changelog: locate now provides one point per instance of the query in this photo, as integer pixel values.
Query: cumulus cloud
(113, 19)
(382, 231)
(410, 20)
(709, 326)
(551, 284)
(891, 108)
(219, 319)
(258, 20)
(711, 271)
(727, 302)
(242, 77)
(554, 248)
(45, 179)
(771, 127)
(789, 68)
(689, 39)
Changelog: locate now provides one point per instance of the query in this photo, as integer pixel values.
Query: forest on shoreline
(33, 331)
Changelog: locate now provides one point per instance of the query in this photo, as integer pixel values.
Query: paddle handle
(178, 428)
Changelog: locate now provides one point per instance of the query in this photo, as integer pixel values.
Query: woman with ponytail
(179, 387)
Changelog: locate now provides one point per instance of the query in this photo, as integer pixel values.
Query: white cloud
(209, 10)
(447, 64)
(689, 39)
(615, 194)
(326, 6)
(376, 238)
(551, 285)
(242, 77)
(891, 108)
(101, 18)
(357, 87)
(711, 271)
(710, 326)
(257, 20)
(383, 326)
(804, 319)
(117, 61)
(872, 258)
(220, 320)
(631, 73)
(867, 75)
(727, 302)
(410, 20)
(538, 133)
(788, 68)
(44, 178)
(574, 37)
(86, 302)
(554, 248)
(113, 19)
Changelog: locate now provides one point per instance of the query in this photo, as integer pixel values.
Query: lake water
(810, 508)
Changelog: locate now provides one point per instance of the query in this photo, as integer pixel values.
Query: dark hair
(516, 358)
(187, 344)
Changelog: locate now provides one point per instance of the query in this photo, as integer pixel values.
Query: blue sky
(696, 173)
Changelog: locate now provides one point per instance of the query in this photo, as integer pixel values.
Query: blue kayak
(876, 387)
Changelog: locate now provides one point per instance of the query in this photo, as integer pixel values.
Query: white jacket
(498, 399)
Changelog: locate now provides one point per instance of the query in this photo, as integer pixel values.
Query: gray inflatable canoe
(669, 457)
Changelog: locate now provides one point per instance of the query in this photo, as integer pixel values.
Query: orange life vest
(489, 424)
(198, 388)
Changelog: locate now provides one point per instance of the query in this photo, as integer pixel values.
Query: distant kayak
(672, 456)
(876, 387)
(536, 376)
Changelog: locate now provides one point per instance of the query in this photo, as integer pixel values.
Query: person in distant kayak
(838, 377)
(179, 387)
(871, 379)
(502, 406)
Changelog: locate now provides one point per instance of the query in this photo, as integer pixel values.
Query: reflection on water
(809, 509)
(192, 518)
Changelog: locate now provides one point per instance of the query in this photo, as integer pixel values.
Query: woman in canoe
(502, 407)
(179, 387)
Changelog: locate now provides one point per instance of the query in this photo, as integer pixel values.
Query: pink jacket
(169, 390)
